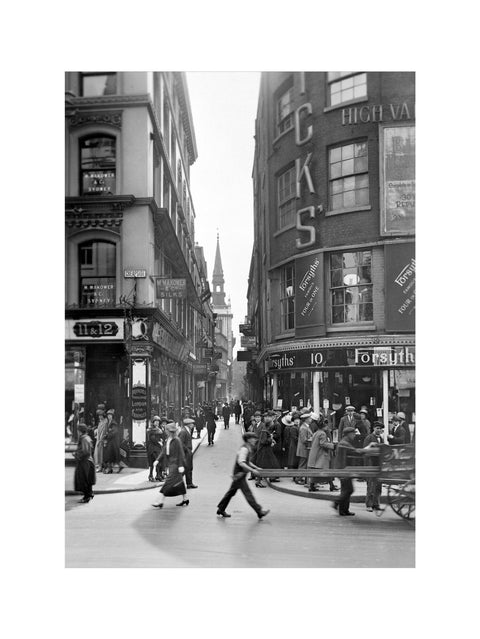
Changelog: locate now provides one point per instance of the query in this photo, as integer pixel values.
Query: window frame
(82, 171)
(360, 266)
(90, 74)
(286, 123)
(286, 301)
(345, 75)
(283, 219)
(82, 247)
(348, 174)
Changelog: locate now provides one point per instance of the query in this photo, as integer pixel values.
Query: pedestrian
(174, 457)
(211, 425)
(226, 415)
(185, 436)
(285, 423)
(154, 445)
(363, 425)
(304, 442)
(243, 465)
(111, 453)
(320, 455)
(345, 448)
(199, 421)
(264, 456)
(237, 409)
(276, 430)
(100, 432)
(255, 422)
(400, 432)
(247, 415)
(85, 477)
(347, 420)
(374, 486)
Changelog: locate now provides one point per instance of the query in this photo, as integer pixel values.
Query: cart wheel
(402, 500)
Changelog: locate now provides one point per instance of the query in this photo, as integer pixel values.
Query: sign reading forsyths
(309, 304)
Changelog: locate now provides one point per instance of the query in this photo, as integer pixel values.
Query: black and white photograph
(211, 266)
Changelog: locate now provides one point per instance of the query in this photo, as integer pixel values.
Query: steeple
(218, 281)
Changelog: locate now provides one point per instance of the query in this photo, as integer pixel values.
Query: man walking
(185, 436)
(241, 468)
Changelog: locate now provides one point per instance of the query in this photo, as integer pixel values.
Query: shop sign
(134, 272)
(248, 341)
(98, 291)
(98, 182)
(246, 329)
(377, 113)
(397, 180)
(104, 329)
(168, 287)
(79, 393)
(309, 304)
(244, 356)
(400, 287)
(199, 369)
(164, 339)
(383, 357)
(139, 402)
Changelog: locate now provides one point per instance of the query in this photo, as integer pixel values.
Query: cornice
(96, 212)
(85, 118)
(108, 100)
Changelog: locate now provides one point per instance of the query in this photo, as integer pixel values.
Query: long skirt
(85, 477)
(265, 458)
(174, 485)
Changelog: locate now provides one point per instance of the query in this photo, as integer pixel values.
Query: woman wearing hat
(85, 477)
(111, 454)
(264, 456)
(154, 445)
(320, 455)
(291, 442)
(101, 430)
(175, 460)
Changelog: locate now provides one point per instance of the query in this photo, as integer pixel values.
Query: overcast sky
(224, 106)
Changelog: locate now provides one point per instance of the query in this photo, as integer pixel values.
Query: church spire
(218, 280)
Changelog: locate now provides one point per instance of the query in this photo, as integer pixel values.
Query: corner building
(137, 312)
(331, 296)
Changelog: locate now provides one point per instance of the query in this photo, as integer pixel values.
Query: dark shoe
(222, 513)
(274, 480)
(313, 490)
(150, 478)
(259, 485)
(347, 514)
(335, 505)
(333, 487)
(158, 505)
(191, 486)
(185, 502)
(251, 478)
(369, 509)
(262, 513)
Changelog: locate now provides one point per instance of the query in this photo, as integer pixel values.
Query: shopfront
(329, 379)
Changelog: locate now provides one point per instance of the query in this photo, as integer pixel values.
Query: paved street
(122, 529)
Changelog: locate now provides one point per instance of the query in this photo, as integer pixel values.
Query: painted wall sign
(171, 287)
(377, 113)
(167, 341)
(139, 402)
(309, 297)
(134, 272)
(397, 180)
(248, 341)
(98, 182)
(332, 358)
(400, 287)
(97, 329)
(98, 291)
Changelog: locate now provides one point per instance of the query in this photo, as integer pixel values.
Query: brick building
(331, 293)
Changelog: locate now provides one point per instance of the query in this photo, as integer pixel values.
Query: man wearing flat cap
(243, 465)
(348, 419)
(345, 448)
(185, 436)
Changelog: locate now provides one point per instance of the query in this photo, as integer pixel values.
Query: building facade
(136, 310)
(331, 296)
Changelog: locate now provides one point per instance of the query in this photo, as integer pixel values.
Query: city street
(123, 530)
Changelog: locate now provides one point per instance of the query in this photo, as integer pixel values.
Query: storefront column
(274, 390)
(385, 404)
(316, 392)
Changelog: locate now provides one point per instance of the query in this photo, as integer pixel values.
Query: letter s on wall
(309, 229)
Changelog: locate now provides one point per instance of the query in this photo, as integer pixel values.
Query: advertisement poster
(309, 294)
(397, 161)
(400, 287)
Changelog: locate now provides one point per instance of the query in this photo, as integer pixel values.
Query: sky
(224, 107)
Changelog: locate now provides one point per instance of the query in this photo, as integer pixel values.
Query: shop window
(285, 111)
(98, 165)
(287, 298)
(96, 84)
(286, 198)
(351, 287)
(346, 86)
(97, 265)
(348, 176)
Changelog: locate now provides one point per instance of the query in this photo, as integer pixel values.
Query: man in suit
(398, 434)
(374, 486)
(347, 420)
(185, 436)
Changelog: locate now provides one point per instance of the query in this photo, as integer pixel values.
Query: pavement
(127, 480)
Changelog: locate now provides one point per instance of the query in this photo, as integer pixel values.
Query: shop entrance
(106, 368)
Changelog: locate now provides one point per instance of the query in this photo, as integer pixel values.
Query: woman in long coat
(320, 455)
(264, 456)
(85, 477)
(290, 437)
(174, 457)
(111, 453)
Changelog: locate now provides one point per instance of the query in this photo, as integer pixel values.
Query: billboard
(400, 287)
(309, 296)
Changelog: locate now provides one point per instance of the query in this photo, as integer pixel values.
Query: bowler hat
(348, 429)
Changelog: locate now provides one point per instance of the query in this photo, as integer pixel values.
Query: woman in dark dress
(85, 477)
(111, 453)
(175, 460)
(264, 457)
(291, 441)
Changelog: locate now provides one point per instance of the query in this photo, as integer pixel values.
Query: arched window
(97, 267)
(98, 165)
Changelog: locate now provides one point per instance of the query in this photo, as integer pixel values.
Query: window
(351, 287)
(348, 176)
(95, 84)
(97, 273)
(285, 111)
(98, 165)
(287, 298)
(286, 197)
(345, 86)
